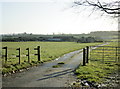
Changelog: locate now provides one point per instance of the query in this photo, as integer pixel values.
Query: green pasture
(49, 51)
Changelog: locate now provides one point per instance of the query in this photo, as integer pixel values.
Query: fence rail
(5, 55)
(105, 53)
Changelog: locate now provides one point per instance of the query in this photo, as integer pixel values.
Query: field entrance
(104, 54)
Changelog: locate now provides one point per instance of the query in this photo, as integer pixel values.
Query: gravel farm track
(44, 75)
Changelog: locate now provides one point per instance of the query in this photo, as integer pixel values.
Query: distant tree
(90, 39)
(82, 40)
(86, 40)
(24, 33)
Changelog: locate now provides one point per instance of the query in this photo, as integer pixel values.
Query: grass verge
(96, 70)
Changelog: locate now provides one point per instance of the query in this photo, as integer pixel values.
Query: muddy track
(45, 75)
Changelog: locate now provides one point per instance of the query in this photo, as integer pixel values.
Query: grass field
(49, 51)
(98, 70)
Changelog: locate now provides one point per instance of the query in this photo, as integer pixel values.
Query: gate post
(87, 55)
(84, 57)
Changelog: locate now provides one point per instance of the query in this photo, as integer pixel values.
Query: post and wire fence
(92, 53)
(19, 55)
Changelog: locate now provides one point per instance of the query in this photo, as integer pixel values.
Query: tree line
(23, 38)
(96, 36)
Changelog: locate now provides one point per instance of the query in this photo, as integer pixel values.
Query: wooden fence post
(5, 53)
(28, 55)
(38, 52)
(87, 54)
(84, 57)
(18, 54)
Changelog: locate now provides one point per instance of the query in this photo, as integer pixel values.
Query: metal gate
(104, 53)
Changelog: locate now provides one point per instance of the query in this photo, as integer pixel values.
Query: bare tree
(112, 7)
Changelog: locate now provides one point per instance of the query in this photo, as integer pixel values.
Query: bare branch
(109, 8)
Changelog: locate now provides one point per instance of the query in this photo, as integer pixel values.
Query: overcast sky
(51, 16)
